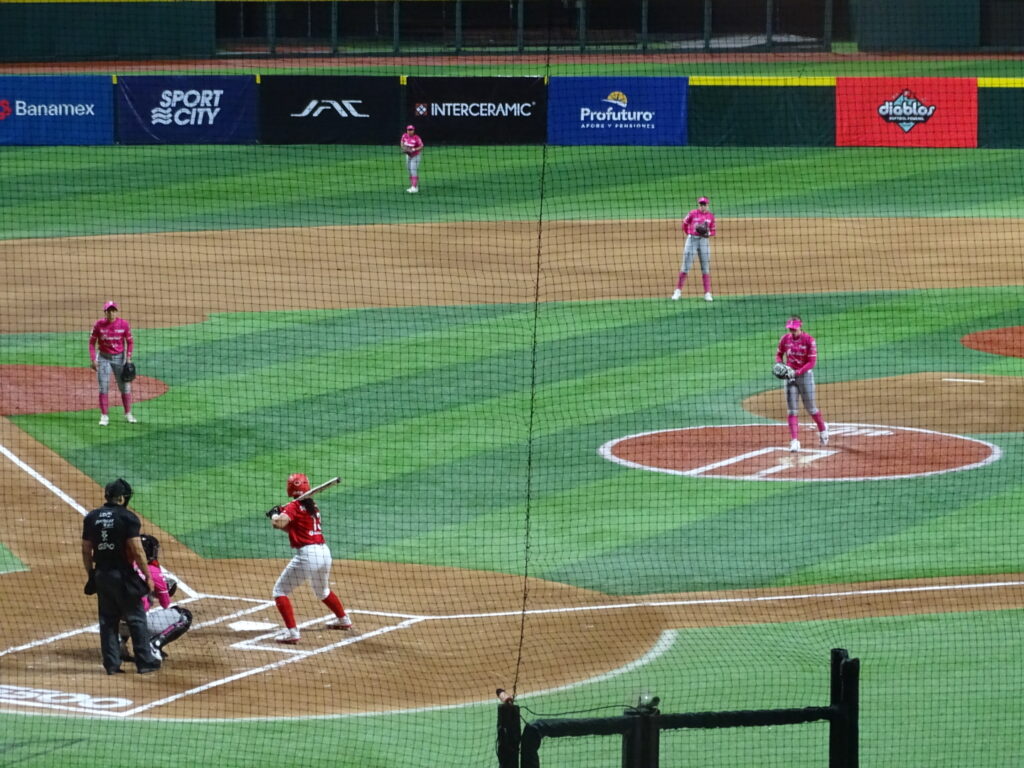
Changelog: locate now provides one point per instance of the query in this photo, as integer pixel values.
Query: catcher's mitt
(783, 371)
(702, 229)
(128, 372)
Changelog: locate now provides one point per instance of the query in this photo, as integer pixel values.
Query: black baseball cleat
(117, 671)
(147, 670)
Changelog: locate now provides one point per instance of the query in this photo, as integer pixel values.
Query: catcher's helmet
(117, 488)
(151, 546)
(298, 484)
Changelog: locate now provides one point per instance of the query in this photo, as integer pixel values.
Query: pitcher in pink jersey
(799, 351)
(110, 347)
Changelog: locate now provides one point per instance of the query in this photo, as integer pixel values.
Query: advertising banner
(617, 110)
(478, 110)
(906, 112)
(184, 109)
(301, 109)
(52, 111)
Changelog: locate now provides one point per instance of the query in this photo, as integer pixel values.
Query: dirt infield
(433, 636)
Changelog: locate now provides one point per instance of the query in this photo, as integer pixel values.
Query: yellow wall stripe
(1001, 82)
(742, 81)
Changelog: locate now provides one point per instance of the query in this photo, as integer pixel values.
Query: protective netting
(566, 467)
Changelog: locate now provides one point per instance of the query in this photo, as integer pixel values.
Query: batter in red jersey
(411, 146)
(799, 351)
(311, 561)
(110, 347)
(699, 226)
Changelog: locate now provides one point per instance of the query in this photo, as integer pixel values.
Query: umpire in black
(110, 543)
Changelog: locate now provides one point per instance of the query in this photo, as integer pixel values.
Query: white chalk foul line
(265, 668)
(966, 381)
(60, 494)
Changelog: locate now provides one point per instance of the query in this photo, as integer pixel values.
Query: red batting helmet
(298, 484)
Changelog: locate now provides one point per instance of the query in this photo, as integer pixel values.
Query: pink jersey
(696, 216)
(304, 528)
(113, 338)
(412, 145)
(159, 588)
(801, 353)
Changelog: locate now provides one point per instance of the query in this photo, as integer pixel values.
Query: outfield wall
(651, 111)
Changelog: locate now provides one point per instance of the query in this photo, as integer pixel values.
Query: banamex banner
(649, 111)
(906, 112)
(309, 109)
(55, 111)
(184, 109)
(478, 110)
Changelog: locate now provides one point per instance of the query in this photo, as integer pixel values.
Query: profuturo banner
(906, 112)
(647, 111)
(184, 109)
(478, 110)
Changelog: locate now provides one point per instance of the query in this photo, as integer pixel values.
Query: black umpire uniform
(110, 543)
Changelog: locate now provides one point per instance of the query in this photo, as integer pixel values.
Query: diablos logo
(906, 110)
(5, 109)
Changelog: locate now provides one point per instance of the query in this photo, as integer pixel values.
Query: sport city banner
(53, 111)
(906, 112)
(303, 109)
(617, 110)
(477, 110)
(183, 109)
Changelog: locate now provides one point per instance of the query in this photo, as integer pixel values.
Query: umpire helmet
(151, 546)
(117, 488)
(298, 484)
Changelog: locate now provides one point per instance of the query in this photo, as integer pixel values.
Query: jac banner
(906, 112)
(52, 111)
(177, 109)
(617, 110)
(478, 110)
(300, 109)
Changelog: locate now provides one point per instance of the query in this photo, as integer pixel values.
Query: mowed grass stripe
(190, 188)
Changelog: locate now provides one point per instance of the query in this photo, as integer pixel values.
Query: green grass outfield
(426, 413)
(73, 191)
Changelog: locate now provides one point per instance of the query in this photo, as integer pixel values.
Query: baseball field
(556, 480)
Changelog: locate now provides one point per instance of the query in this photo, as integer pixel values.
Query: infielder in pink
(412, 145)
(799, 351)
(110, 347)
(311, 562)
(699, 226)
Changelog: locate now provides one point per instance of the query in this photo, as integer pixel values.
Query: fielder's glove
(702, 229)
(128, 372)
(783, 371)
(273, 511)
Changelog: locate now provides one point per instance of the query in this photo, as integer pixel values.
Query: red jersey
(801, 353)
(112, 337)
(304, 528)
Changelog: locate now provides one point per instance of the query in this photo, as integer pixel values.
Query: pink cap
(110, 305)
(410, 127)
(701, 200)
(794, 325)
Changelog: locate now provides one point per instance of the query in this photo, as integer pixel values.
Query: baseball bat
(317, 489)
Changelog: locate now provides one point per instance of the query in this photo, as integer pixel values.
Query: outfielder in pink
(311, 561)
(799, 351)
(699, 227)
(411, 146)
(110, 347)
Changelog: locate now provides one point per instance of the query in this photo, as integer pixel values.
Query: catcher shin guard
(176, 630)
